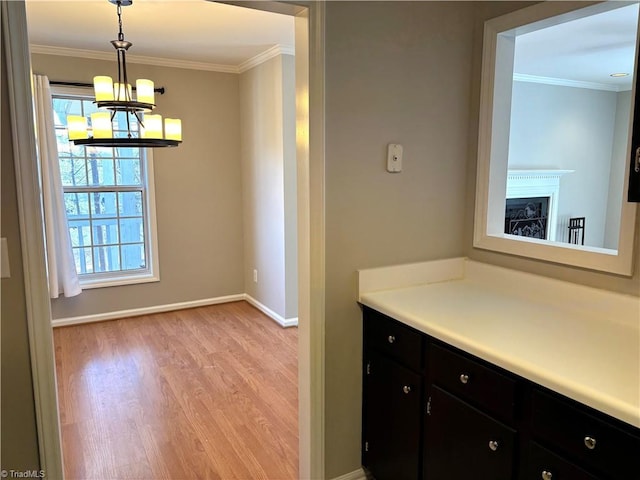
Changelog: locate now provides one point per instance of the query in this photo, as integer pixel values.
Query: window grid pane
(104, 196)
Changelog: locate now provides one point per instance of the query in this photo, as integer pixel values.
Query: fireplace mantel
(538, 183)
(541, 176)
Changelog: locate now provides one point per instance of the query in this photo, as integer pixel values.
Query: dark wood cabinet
(434, 412)
(634, 174)
(597, 444)
(393, 395)
(634, 164)
(481, 386)
(460, 439)
(543, 464)
(391, 426)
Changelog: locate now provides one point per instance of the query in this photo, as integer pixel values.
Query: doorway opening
(309, 88)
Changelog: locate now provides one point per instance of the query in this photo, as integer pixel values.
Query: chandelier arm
(128, 124)
(119, 73)
(127, 94)
(139, 119)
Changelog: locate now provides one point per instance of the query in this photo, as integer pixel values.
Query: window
(108, 199)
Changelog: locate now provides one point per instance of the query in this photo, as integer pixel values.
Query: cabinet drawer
(389, 336)
(543, 464)
(482, 386)
(592, 441)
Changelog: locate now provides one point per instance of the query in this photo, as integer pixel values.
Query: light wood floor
(208, 392)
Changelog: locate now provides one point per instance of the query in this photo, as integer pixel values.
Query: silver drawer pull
(391, 339)
(406, 389)
(590, 442)
(546, 475)
(493, 445)
(636, 163)
(464, 378)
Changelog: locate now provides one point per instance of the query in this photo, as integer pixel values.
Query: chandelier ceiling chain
(118, 97)
(119, 10)
(121, 47)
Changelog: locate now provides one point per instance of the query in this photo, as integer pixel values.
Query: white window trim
(152, 272)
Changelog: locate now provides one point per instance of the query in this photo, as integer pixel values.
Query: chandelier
(115, 97)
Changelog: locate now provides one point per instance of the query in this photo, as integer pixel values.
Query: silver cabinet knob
(464, 378)
(406, 389)
(590, 442)
(493, 445)
(391, 339)
(546, 475)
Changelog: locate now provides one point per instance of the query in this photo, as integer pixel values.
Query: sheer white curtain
(63, 277)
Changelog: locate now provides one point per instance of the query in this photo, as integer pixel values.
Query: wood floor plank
(205, 393)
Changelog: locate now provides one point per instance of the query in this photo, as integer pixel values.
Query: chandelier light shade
(117, 96)
(77, 127)
(173, 129)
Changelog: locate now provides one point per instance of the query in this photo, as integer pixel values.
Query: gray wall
(560, 127)
(409, 73)
(267, 116)
(616, 175)
(18, 440)
(197, 187)
(396, 72)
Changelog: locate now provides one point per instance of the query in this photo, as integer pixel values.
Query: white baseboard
(134, 312)
(355, 475)
(283, 322)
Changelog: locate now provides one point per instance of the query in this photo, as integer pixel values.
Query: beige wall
(404, 73)
(409, 73)
(396, 72)
(18, 440)
(290, 186)
(197, 186)
(267, 115)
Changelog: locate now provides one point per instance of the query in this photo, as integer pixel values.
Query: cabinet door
(462, 443)
(585, 436)
(543, 464)
(634, 167)
(391, 419)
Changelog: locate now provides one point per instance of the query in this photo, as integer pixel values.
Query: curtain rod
(159, 90)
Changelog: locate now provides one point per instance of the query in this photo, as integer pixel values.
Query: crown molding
(523, 77)
(168, 62)
(264, 56)
(139, 59)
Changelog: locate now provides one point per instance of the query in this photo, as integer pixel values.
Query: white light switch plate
(394, 158)
(5, 272)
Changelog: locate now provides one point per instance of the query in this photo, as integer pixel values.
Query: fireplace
(527, 217)
(532, 203)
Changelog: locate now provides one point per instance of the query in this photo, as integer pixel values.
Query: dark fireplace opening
(527, 217)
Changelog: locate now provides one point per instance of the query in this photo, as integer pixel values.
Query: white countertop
(581, 342)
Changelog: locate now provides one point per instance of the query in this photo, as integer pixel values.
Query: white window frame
(152, 271)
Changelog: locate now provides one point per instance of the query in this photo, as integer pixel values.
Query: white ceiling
(207, 33)
(185, 30)
(587, 49)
